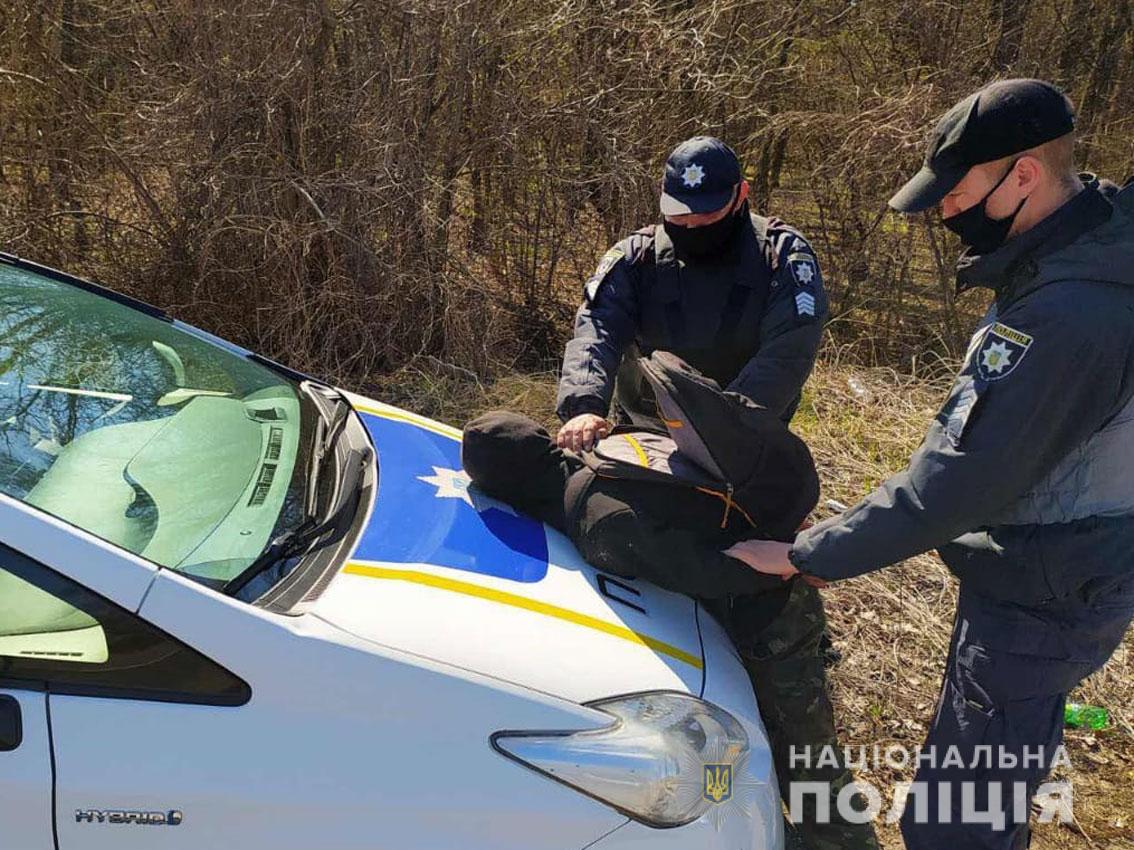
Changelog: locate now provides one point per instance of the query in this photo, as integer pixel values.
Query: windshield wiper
(296, 541)
(334, 412)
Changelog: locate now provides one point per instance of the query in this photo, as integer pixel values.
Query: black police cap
(700, 176)
(1003, 118)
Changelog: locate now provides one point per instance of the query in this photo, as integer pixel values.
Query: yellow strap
(727, 508)
(729, 503)
(638, 450)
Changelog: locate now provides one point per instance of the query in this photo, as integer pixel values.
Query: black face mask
(981, 233)
(708, 239)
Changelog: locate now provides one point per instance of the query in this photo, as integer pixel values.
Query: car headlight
(661, 761)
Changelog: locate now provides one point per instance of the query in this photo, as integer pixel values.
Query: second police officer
(1023, 482)
(738, 296)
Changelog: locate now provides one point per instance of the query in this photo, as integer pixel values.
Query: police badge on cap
(700, 177)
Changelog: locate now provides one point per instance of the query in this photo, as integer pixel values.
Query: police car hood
(443, 571)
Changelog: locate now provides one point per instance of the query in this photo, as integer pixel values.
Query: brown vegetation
(405, 196)
(352, 184)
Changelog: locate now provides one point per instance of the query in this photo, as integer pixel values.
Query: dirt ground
(891, 627)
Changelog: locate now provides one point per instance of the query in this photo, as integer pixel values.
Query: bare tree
(351, 185)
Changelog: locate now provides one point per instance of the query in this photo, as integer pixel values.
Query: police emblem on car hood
(724, 781)
(429, 513)
(718, 782)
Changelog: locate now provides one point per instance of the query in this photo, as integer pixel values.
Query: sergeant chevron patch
(805, 304)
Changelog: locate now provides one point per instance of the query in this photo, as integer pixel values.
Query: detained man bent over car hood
(661, 506)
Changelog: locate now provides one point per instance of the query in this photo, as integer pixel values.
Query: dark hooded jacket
(642, 504)
(1025, 480)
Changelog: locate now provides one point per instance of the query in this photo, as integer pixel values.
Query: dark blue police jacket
(750, 319)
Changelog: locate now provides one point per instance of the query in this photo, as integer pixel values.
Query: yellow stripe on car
(514, 600)
(419, 421)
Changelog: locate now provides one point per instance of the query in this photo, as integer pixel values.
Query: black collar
(1014, 263)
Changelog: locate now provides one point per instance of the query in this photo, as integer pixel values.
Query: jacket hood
(1104, 253)
(1090, 238)
(513, 458)
(735, 441)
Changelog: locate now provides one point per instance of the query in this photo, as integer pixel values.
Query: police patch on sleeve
(803, 270)
(805, 274)
(1001, 351)
(609, 261)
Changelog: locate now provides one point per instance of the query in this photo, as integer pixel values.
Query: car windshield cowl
(336, 476)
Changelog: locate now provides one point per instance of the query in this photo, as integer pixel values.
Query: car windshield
(141, 433)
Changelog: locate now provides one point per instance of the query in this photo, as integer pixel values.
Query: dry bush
(352, 185)
(405, 195)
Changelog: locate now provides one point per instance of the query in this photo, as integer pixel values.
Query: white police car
(240, 608)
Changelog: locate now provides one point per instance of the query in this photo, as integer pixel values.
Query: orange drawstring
(727, 507)
(730, 503)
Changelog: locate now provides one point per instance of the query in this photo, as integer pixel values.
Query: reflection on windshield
(141, 434)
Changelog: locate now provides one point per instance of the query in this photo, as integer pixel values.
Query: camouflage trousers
(784, 661)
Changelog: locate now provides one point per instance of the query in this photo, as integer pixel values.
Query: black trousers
(999, 721)
(780, 644)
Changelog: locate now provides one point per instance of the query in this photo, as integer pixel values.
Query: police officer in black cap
(1025, 481)
(740, 298)
(736, 295)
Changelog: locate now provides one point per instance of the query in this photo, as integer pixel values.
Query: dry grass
(892, 627)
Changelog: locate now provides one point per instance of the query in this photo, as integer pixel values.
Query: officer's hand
(764, 556)
(582, 432)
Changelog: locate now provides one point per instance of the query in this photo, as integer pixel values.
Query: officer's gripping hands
(580, 433)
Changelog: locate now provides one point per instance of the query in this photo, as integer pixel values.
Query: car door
(34, 626)
(25, 770)
(66, 649)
